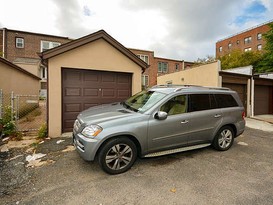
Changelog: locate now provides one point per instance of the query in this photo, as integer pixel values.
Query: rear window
(225, 100)
(200, 102)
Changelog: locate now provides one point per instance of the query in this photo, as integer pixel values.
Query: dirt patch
(16, 168)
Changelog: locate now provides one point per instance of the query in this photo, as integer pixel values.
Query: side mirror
(160, 115)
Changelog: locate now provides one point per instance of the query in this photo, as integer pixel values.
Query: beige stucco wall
(32, 68)
(14, 80)
(204, 75)
(97, 55)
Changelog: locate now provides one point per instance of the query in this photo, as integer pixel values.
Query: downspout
(4, 42)
(252, 95)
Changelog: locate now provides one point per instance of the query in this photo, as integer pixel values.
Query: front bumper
(86, 147)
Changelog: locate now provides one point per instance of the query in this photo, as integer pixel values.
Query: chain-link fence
(28, 111)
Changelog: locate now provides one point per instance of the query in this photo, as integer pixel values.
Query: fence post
(1, 103)
(12, 105)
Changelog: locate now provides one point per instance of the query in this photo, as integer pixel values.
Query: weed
(42, 133)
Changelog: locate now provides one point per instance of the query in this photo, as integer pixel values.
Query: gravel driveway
(241, 175)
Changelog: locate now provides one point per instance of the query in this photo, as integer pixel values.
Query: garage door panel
(122, 93)
(261, 100)
(73, 92)
(108, 93)
(123, 80)
(86, 88)
(108, 78)
(91, 92)
(93, 77)
(73, 76)
(75, 107)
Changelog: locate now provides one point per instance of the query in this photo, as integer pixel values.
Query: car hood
(103, 113)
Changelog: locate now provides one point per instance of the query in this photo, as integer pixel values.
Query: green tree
(266, 63)
(238, 58)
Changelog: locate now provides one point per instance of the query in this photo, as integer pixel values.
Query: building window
(45, 45)
(43, 72)
(229, 46)
(259, 36)
(145, 80)
(145, 58)
(248, 40)
(176, 67)
(220, 49)
(20, 43)
(259, 47)
(238, 42)
(162, 67)
(247, 49)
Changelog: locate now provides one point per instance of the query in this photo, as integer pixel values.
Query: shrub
(42, 133)
(7, 123)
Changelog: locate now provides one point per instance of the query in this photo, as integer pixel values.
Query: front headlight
(91, 131)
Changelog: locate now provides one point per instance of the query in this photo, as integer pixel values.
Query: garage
(82, 89)
(240, 89)
(261, 100)
(92, 70)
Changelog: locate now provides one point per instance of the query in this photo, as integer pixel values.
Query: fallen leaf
(173, 190)
(69, 148)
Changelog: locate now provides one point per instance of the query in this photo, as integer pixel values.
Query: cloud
(193, 27)
(69, 18)
(178, 29)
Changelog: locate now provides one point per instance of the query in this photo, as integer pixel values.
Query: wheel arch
(131, 137)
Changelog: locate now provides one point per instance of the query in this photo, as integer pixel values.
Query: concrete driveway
(241, 175)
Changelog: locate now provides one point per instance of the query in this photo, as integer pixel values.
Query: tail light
(243, 115)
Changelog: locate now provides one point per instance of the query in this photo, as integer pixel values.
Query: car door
(172, 131)
(205, 118)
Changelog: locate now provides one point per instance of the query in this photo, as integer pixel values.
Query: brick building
(158, 66)
(248, 40)
(21, 48)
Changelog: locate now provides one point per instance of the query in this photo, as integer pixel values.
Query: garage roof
(18, 68)
(90, 38)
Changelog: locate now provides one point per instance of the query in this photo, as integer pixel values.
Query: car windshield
(143, 100)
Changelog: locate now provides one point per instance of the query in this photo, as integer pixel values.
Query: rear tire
(223, 139)
(117, 155)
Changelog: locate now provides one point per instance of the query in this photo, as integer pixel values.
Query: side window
(225, 100)
(176, 105)
(199, 102)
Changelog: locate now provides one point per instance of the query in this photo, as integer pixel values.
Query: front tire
(223, 139)
(117, 155)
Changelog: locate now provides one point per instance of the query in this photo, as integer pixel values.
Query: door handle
(184, 121)
(217, 116)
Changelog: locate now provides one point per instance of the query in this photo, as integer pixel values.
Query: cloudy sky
(176, 29)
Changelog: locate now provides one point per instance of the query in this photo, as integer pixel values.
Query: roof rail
(180, 87)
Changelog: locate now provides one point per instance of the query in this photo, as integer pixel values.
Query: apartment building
(158, 66)
(247, 40)
(21, 48)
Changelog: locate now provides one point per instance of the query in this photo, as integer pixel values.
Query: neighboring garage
(89, 71)
(263, 96)
(238, 83)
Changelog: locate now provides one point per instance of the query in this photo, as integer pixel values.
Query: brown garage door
(82, 89)
(240, 89)
(261, 100)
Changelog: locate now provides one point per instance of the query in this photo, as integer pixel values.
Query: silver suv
(162, 120)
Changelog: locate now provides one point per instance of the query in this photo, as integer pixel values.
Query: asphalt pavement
(241, 175)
